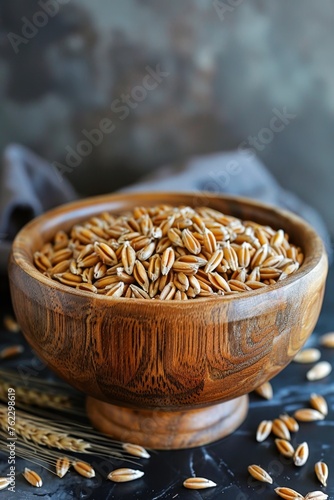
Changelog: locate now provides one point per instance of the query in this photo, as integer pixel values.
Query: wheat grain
(288, 493)
(100, 270)
(43, 434)
(87, 287)
(168, 292)
(263, 430)
(175, 237)
(89, 261)
(135, 450)
(301, 454)
(327, 340)
(321, 471)
(198, 483)
(4, 482)
(319, 403)
(10, 324)
(115, 290)
(144, 244)
(290, 422)
(68, 279)
(310, 355)
(209, 241)
(167, 260)
(146, 252)
(32, 477)
(62, 466)
(285, 447)
(280, 429)
(260, 474)
(316, 495)
(83, 468)
(42, 262)
(319, 371)
(44, 399)
(308, 415)
(265, 390)
(128, 257)
(60, 255)
(124, 475)
(11, 351)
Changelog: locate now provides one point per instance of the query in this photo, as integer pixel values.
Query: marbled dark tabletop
(224, 462)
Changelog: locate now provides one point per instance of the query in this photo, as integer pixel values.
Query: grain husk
(198, 483)
(280, 429)
(265, 390)
(319, 371)
(301, 454)
(285, 447)
(263, 430)
(321, 471)
(288, 493)
(260, 474)
(83, 468)
(327, 340)
(319, 403)
(32, 477)
(310, 355)
(316, 495)
(124, 475)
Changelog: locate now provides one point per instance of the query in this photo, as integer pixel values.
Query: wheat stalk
(40, 393)
(34, 397)
(39, 432)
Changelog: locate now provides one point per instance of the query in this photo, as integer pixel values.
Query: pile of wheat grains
(168, 253)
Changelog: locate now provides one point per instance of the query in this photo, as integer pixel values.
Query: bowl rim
(84, 204)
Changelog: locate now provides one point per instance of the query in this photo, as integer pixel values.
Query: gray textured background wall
(224, 69)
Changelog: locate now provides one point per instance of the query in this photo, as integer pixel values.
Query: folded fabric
(30, 186)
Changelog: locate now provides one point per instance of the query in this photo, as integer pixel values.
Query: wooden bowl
(166, 374)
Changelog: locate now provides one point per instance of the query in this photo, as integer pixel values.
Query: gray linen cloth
(29, 186)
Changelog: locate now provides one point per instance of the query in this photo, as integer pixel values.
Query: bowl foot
(168, 430)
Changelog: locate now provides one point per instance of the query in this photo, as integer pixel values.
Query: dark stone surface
(224, 461)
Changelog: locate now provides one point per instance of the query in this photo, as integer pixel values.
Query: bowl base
(167, 430)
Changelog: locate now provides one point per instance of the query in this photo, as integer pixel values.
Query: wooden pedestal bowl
(166, 374)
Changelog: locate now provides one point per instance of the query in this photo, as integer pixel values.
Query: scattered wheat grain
(301, 454)
(310, 355)
(288, 493)
(124, 475)
(321, 471)
(308, 415)
(260, 474)
(319, 371)
(198, 483)
(263, 430)
(136, 450)
(319, 403)
(32, 477)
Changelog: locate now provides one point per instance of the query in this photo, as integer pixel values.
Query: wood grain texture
(166, 355)
(166, 430)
